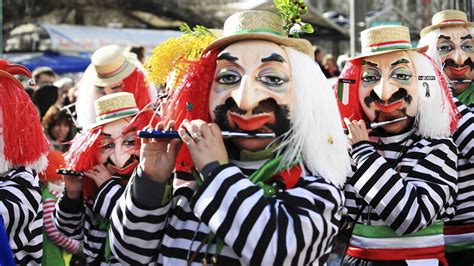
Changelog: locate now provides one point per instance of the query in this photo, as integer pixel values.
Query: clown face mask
(388, 89)
(118, 151)
(455, 46)
(252, 91)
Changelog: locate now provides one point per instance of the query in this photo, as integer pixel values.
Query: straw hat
(386, 39)
(113, 107)
(447, 18)
(110, 65)
(258, 25)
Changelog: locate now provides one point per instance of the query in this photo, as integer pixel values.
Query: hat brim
(301, 45)
(430, 28)
(417, 49)
(102, 82)
(108, 120)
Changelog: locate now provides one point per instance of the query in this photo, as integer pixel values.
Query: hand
(158, 156)
(357, 131)
(99, 174)
(73, 185)
(204, 142)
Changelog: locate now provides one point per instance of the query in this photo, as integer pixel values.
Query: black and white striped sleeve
(108, 195)
(410, 202)
(464, 135)
(69, 216)
(295, 226)
(136, 229)
(21, 210)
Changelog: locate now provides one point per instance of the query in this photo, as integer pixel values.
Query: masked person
(23, 149)
(106, 153)
(111, 70)
(242, 200)
(451, 45)
(404, 176)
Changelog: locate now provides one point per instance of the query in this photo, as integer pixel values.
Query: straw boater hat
(386, 39)
(447, 18)
(113, 107)
(111, 65)
(258, 25)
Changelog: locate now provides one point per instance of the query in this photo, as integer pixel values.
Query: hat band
(114, 72)
(117, 113)
(452, 21)
(385, 46)
(260, 30)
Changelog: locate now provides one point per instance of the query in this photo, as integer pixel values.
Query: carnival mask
(455, 47)
(388, 89)
(252, 91)
(117, 150)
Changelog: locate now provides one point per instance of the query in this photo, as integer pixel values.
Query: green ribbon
(384, 231)
(104, 225)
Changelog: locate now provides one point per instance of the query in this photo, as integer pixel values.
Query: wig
(23, 143)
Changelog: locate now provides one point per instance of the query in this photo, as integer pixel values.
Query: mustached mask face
(118, 151)
(252, 91)
(389, 89)
(455, 46)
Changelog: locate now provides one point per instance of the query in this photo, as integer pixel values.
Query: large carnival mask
(118, 151)
(388, 89)
(252, 91)
(455, 47)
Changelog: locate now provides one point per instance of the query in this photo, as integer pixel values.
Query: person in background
(330, 66)
(44, 98)
(451, 45)
(22, 155)
(111, 70)
(404, 178)
(139, 51)
(57, 248)
(107, 153)
(64, 85)
(43, 76)
(318, 57)
(58, 128)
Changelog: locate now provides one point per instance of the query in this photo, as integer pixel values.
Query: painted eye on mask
(444, 48)
(370, 76)
(401, 75)
(468, 47)
(228, 77)
(129, 141)
(107, 147)
(272, 81)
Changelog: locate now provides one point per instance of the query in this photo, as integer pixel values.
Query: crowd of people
(234, 147)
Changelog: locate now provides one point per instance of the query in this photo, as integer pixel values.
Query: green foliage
(198, 30)
(291, 12)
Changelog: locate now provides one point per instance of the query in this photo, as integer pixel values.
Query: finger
(184, 135)
(171, 125)
(160, 126)
(90, 174)
(205, 130)
(361, 124)
(215, 129)
(174, 147)
(193, 131)
(347, 121)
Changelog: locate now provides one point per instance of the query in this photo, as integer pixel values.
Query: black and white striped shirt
(405, 182)
(22, 212)
(294, 226)
(81, 221)
(464, 139)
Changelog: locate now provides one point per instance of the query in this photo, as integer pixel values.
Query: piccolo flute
(462, 81)
(162, 134)
(380, 124)
(63, 171)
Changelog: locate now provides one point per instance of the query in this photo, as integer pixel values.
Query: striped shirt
(294, 226)
(457, 236)
(59, 239)
(405, 182)
(22, 212)
(80, 220)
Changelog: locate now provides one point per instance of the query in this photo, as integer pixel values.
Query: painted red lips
(126, 170)
(250, 123)
(387, 108)
(459, 71)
